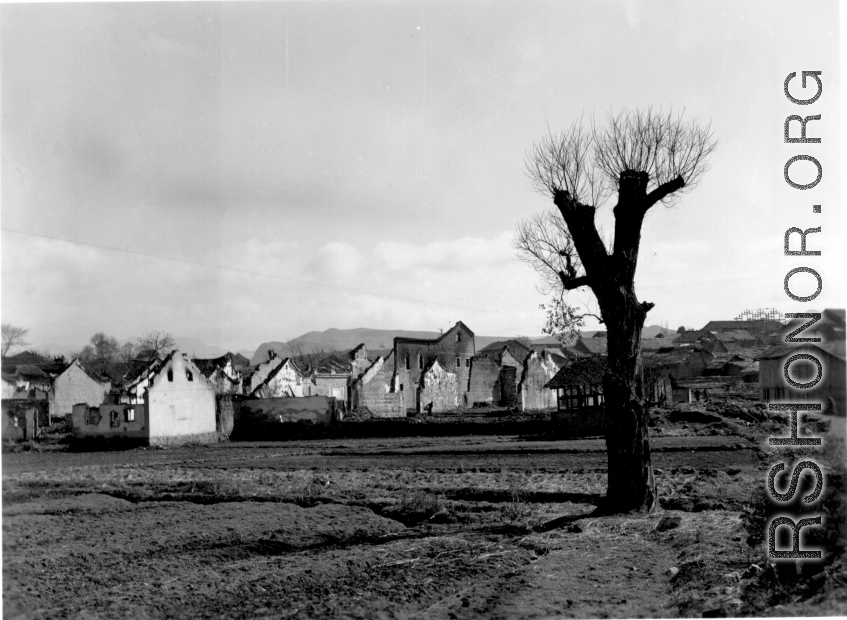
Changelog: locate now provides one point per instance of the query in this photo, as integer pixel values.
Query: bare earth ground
(453, 527)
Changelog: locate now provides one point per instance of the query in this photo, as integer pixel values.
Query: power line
(256, 273)
(711, 282)
(387, 295)
(705, 275)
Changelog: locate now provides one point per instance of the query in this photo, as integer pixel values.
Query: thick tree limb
(580, 221)
(663, 191)
(569, 283)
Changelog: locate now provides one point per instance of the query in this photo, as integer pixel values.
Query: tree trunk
(631, 486)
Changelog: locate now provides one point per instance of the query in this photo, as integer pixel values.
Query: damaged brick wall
(438, 390)
(224, 415)
(315, 409)
(373, 391)
(329, 386)
(262, 371)
(509, 379)
(359, 360)
(538, 370)
(483, 384)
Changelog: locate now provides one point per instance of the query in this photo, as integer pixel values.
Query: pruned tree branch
(663, 146)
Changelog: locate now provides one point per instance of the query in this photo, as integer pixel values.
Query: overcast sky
(244, 172)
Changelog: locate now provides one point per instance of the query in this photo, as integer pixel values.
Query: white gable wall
(180, 409)
(75, 386)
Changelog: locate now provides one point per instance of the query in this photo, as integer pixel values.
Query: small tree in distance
(154, 344)
(644, 158)
(13, 336)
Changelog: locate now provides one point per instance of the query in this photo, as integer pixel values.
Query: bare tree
(154, 344)
(644, 158)
(86, 353)
(13, 336)
(105, 347)
(127, 352)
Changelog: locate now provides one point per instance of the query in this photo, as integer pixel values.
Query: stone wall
(373, 391)
(483, 384)
(539, 369)
(315, 409)
(20, 420)
(261, 373)
(224, 415)
(359, 360)
(508, 381)
(438, 390)
(284, 380)
(110, 421)
(329, 386)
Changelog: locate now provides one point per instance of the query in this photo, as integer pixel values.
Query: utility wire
(256, 273)
(387, 295)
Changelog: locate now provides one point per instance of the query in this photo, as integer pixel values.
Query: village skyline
(245, 172)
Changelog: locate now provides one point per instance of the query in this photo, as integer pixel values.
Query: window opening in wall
(467, 362)
(420, 361)
(189, 375)
(170, 375)
(458, 362)
(129, 414)
(459, 337)
(401, 387)
(406, 359)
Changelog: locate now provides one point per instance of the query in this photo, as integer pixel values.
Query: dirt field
(464, 527)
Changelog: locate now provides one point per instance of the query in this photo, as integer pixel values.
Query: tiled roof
(835, 349)
(31, 372)
(92, 374)
(688, 337)
(25, 357)
(208, 366)
(334, 366)
(517, 349)
(597, 346)
(676, 357)
(766, 326)
(114, 371)
(137, 367)
(580, 371)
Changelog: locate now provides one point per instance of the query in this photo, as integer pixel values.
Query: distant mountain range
(329, 340)
(345, 339)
